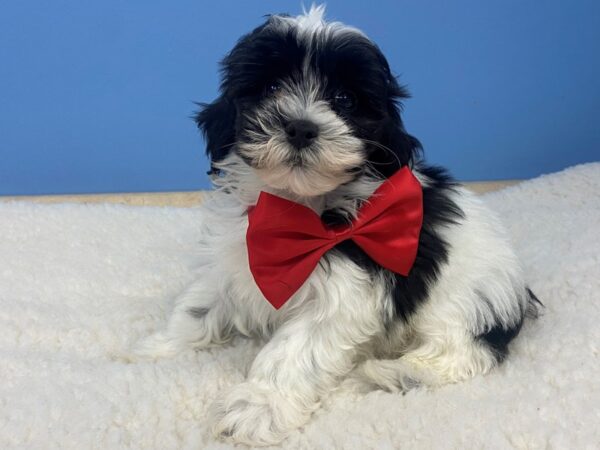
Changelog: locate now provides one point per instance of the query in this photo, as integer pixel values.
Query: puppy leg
(198, 320)
(431, 363)
(305, 359)
(442, 351)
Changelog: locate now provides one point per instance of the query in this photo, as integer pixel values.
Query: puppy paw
(255, 415)
(388, 375)
(150, 348)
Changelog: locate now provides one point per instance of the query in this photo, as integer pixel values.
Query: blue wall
(96, 96)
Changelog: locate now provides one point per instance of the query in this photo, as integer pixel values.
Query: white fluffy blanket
(78, 282)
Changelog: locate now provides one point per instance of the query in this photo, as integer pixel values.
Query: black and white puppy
(309, 110)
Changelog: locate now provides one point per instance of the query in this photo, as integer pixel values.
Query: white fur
(312, 22)
(313, 171)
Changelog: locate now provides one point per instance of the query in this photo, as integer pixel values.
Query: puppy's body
(451, 318)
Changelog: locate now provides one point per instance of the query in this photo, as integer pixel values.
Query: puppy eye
(345, 100)
(272, 88)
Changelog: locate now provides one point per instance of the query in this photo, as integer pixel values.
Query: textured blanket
(81, 282)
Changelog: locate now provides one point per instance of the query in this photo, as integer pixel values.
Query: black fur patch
(498, 337)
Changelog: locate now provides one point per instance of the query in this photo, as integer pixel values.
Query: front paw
(153, 347)
(255, 414)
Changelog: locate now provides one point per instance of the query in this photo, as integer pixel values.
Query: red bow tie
(286, 240)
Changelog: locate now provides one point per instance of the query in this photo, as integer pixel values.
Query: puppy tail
(533, 305)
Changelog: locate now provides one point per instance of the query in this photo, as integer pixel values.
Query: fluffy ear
(217, 123)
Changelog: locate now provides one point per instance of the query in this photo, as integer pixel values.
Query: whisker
(383, 147)
(371, 168)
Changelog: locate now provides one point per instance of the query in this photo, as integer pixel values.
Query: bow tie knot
(286, 240)
(341, 233)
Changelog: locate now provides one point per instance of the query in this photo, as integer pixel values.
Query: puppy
(309, 111)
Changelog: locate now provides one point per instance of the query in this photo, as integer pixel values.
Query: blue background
(97, 96)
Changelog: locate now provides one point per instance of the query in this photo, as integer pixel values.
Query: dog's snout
(301, 133)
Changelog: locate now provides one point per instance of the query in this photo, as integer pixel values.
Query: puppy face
(309, 105)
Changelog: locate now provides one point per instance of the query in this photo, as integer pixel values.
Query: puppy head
(309, 105)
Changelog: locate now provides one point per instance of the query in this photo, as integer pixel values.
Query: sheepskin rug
(79, 283)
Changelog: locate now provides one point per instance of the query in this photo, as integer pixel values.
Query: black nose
(301, 133)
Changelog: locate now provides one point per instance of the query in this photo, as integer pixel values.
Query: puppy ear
(217, 123)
